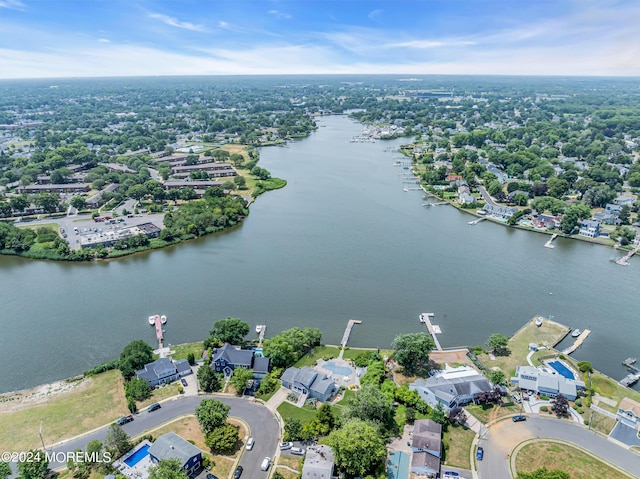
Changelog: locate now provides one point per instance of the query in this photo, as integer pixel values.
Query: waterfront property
(227, 358)
(309, 382)
(499, 211)
(426, 448)
(163, 371)
(318, 463)
(545, 382)
(589, 228)
(111, 237)
(452, 387)
(629, 413)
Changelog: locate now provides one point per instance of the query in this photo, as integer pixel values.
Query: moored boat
(538, 322)
(163, 319)
(152, 320)
(576, 333)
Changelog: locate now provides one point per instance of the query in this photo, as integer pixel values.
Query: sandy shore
(17, 400)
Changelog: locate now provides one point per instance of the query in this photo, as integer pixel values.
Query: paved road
(504, 436)
(264, 428)
(485, 195)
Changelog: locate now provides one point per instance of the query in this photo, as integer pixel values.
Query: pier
(475, 222)
(578, 342)
(157, 322)
(634, 373)
(624, 261)
(347, 331)
(261, 329)
(432, 329)
(549, 244)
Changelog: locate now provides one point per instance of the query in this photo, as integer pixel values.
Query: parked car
(211, 476)
(183, 381)
(519, 418)
(451, 474)
(298, 451)
(285, 445)
(153, 407)
(479, 453)
(516, 398)
(238, 473)
(266, 462)
(250, 444)
(124, 420)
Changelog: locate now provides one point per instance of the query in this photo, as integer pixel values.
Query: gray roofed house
(545, 382)
(172, 446)
(306, 380)
(500, 211)
(426, 447)
(318, 463)
(164, 370)
(228, 357)
(452, 387)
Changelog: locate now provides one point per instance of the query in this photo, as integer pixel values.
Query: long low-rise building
(195, 184)
(55, 188)
(546, 383)
(111, 237)
(225, 169)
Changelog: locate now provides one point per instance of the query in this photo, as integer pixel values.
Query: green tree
(498, 344)
(47, 201)
(191, 358)
(496, 376)
(292, 429)
(240, 379)
(358, 451)
(230, 330)
(370, 404)
(18, 203)
(5, 470)
(494, 187)
(35, 467)
(137, 389)
(137, 192)
(117, 441)
(625, 214)
(412, 352)
(544, 473)
(134, 356)
(209, 380)
(211, 414)
(557, 187)
(168, 469)
(78, 202)
(223, 439)
(439, 415)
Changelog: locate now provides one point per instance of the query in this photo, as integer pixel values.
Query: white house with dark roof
(310, 382)
(546, 383)
(629, 413)
(172, 446)
(163, 371)
(452, 387)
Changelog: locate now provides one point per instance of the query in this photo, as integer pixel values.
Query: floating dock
(578, 342)
(549, 244)
(634, 374)
(475, 222)
(432, 329)
(624, 261)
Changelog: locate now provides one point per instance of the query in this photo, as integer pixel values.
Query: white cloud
(279, 14)
(12, 4)
(425, 44)
(374, 14)
(174, 22)
(104, 40)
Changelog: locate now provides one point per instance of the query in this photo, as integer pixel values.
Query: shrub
(544, 408)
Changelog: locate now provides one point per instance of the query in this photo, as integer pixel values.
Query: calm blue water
(137, 456)
(334, 368)
(562, 369)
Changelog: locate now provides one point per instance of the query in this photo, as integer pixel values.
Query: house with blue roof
(309, 382)
(172, 446)
(163, 371)
(227, 358)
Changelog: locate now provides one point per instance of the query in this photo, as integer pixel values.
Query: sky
(88, 38)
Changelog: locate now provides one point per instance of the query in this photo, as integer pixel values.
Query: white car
(285, 445)
(250, 444)
(298, 451)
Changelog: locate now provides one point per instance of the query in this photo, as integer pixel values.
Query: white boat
(163, 319)
(575, 333)
(259, 328)
(152, 320)
(539, 322)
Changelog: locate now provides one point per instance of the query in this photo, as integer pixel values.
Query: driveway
(501, 438)
(625, 434)
(263, 425)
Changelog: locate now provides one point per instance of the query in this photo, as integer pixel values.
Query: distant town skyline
(74, 38)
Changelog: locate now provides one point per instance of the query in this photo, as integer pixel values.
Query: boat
(575, 333)
(152, 320)
(259, 328)
(539, 322)
(163, 319)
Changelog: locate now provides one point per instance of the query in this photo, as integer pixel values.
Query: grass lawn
(600, 422)
(457, 442)
(304, 414)
(287, 474)
(98, 401)
(546, 335)
(186, 427)
(183, 350)
(605, 386)
(488, 412)
(159, 394)
(553, 455)
(319, 352)
(292, 462)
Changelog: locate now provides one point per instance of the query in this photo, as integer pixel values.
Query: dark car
(479, 453)
(124, 420)
(153, 407)
(211, 476)
(183, 381)
(238, 473)
(519, 418)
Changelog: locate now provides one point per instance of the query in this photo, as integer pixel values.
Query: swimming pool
(334, 368)
(137, 456)
(562, 369)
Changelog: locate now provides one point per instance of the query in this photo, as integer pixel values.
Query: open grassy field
(546, 335)
(304, 414)
(319, 352)
(605, 386)
(457, 442)
(183, 350)
(554, 455)
(159, 394)
(97, 401)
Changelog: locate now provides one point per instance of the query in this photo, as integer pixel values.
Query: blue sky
(81, 38)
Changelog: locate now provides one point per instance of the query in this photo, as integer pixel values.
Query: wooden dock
(261, 329)
(624, 261)
(475, 222)
(159, 331)
(578, 342)
(347, 331)
(432, 329)
(549, 244)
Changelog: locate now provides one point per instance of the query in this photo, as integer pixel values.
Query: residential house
(511, 196)
(625, 200)
(163, 371)
(629, 413)
(613, 209)
(452, 387)
(426, 448)
(172, 446)
(308, 381)
(546, 382)
(464, 196)
(607, 218)
(547, 222)
(318, 463)
(589, 228)
(499, 211)
(227, 358)
(97, 199)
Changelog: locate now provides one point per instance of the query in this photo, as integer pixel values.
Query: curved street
(262, 423)
(501, 438)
